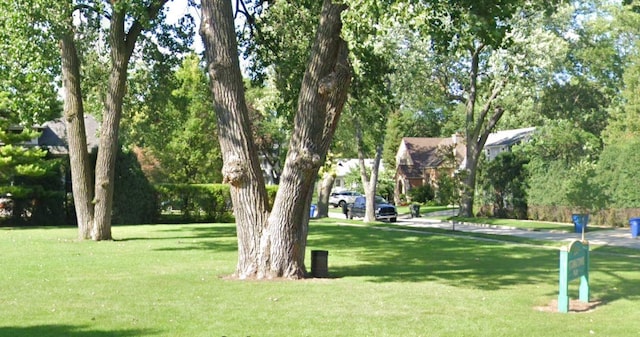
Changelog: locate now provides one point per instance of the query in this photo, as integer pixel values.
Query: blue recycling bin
(312, 211)
(580, 222)
(634, 223)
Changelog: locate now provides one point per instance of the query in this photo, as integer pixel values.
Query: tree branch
(136, 29)
(78, 7)
(483, 133)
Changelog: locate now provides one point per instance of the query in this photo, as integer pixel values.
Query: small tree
(504, 180)
(582, 191)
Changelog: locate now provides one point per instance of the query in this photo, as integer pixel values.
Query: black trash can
(319, 263)
(415, 210)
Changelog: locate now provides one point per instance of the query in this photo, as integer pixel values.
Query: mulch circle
(575, 306)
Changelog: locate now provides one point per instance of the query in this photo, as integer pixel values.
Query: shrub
(38, 201)
(134, 199)
(422, 194)
(196, 202)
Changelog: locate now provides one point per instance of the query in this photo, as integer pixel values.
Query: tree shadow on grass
(392, 256)
(613, 277)
(214, 237)
(189, 232)
(68, 331)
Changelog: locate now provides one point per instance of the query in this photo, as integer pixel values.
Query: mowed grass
(171, 280)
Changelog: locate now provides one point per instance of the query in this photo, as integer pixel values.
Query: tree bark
(320, 103)
(477, 132)
(273, 245)
(324, 191)
(241, 169)
(95, 213)
(369, 181)
(112, 113)
(81, 175)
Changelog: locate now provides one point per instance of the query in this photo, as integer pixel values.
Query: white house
(344, 166)
(501, 141)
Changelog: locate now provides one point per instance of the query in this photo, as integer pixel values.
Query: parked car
(343, 198)
(384, 210)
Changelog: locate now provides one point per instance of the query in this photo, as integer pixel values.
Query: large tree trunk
(241, 169)
(81, 175)
(477, 132)
(273, 245)
(469, 183)
(324, 191)
(369, 182)
(95, 220)
(112, 113)
(320, 103)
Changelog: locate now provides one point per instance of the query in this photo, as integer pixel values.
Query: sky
(177, 9)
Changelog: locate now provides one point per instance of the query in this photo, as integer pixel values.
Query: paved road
(615, 237)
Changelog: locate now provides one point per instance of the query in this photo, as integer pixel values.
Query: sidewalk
(615, 237)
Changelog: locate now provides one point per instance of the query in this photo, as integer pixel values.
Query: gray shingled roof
(509, 137)
(54, 135)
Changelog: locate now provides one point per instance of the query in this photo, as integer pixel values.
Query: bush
(607, 217)
(38, 201)
(195, 202)
(503, 183)
(422, 194)
(184, 203)
(618, 169)
(134, 199)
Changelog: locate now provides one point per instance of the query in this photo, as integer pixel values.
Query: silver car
(343, 198)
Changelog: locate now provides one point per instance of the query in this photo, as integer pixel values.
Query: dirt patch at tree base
(575, 306)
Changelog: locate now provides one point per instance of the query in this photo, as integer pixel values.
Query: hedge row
(606, 217)
(180, 203)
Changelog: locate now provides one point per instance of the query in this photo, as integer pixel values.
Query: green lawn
(169, 280)
(423, 209)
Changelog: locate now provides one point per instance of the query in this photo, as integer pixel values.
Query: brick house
(420, 161)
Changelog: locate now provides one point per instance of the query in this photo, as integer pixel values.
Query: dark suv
(384, 210)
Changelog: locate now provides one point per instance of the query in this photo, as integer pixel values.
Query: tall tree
(127, 22)
(272, 244)
(371, 102)
(173, 122)
(475, 49)
(28, 64)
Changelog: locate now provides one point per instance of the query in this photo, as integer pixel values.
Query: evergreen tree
(22, 167)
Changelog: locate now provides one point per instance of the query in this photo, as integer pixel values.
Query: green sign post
(574, 263)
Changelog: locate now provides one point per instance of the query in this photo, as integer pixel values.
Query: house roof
(508, 137)
(54, 135)
(410, 171)
(424, 152)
